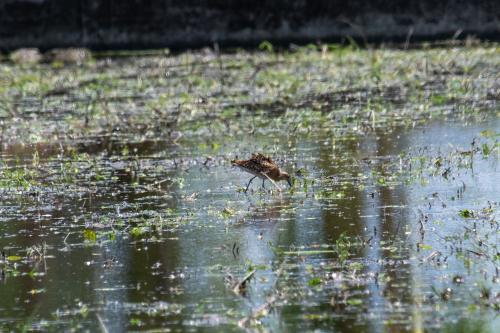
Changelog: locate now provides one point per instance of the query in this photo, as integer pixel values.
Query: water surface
(159, 240)
(120, 210)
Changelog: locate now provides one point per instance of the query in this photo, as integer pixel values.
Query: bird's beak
(289, 180)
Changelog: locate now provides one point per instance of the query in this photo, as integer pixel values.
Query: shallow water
(168, 233)
(120, 211)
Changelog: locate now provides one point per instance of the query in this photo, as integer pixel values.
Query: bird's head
(285, 176)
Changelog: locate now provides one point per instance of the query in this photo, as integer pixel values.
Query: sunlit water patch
(393, 230)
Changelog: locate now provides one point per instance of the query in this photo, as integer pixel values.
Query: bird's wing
(252, 165)
(260, 157)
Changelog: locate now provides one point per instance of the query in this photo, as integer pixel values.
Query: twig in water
(272, 181)
(431, 256)
(260, 311)
(239, 287)
(101, 324)
(65, 238)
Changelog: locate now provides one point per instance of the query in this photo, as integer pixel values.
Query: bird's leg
(250, 183)
(263, 180)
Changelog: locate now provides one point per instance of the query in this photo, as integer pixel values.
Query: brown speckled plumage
(262, 167)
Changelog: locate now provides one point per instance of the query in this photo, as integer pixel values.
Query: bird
(262, 167)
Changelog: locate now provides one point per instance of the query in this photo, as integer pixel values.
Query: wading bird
(264, 168)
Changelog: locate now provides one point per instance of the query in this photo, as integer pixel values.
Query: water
(120, 210)
(168, 234)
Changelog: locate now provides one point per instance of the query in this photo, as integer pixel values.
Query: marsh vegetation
(120, 209)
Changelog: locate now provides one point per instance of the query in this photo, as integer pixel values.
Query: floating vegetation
(466, 213)
(121, 211)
